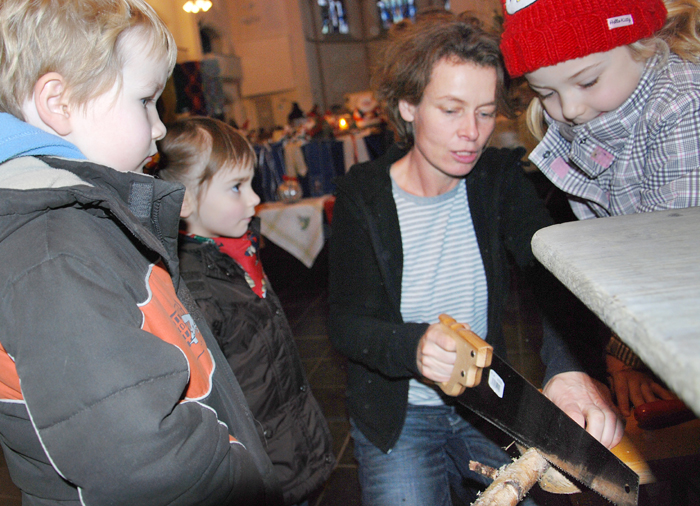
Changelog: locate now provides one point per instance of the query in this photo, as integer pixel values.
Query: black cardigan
(366, 262)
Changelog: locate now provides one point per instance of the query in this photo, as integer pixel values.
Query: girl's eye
(236, 188)
(592, 83)
(545, 96)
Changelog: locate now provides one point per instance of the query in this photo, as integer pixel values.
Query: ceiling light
(196, 6)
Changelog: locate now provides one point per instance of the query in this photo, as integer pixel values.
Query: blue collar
(18, 138)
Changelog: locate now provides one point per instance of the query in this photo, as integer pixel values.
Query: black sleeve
(571, 332)
(362, 325)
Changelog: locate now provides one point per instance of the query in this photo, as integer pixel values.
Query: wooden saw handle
(473, 354)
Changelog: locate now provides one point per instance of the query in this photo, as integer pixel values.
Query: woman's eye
(545, 96)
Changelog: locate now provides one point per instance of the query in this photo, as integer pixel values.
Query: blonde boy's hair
(79, 39)
(196, 148)
(680, 34)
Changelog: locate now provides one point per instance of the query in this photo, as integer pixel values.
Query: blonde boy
(109, 386)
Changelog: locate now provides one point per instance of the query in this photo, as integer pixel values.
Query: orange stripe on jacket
(9, 380)
(166, 318)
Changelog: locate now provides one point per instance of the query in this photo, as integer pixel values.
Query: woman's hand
(436, 354)
(589, 403)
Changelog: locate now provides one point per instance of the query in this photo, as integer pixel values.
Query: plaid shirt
(643, 156)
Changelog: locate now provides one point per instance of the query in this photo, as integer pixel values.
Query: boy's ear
(51, 101)
(188, 205)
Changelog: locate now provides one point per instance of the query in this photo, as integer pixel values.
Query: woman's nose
(468, 128)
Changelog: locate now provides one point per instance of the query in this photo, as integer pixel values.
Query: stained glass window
(333, 16)
(393, 11)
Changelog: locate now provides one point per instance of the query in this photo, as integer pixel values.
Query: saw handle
(473, 354)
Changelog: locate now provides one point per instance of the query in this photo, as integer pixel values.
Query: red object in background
(151, 164)
(660, 414)
(328, 208)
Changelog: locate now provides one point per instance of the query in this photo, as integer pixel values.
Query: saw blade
(514, 405)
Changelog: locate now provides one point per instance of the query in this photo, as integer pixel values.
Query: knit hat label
(620, 21)
(513, 6)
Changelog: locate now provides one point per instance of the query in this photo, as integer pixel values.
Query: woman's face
(454, 120)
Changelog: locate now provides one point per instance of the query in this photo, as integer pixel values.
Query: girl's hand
(632, 387)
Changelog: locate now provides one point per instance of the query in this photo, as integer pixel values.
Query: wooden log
(514, 481)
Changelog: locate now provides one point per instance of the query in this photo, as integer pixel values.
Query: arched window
(393, 11)
(333, 17)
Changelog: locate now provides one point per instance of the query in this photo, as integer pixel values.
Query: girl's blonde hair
(79, 39)
(680, 34)
(196, 148)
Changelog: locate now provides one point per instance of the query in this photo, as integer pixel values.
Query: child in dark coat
(219, 262)
(112, 388)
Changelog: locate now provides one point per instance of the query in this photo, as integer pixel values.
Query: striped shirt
(442, 267)
(643, 156)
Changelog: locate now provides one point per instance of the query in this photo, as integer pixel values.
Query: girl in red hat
(617, 113)
(618, 99)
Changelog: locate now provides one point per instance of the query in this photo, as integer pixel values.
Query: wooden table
(641, 275)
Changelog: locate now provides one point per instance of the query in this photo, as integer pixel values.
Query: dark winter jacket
(255, 336)
(366, 263)
(112, 388)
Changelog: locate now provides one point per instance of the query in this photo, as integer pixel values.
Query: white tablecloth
(297, 228)
(641, 275)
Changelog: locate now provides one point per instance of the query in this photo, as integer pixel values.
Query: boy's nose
(158, 129)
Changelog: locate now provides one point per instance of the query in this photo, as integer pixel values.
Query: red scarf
(244, 250)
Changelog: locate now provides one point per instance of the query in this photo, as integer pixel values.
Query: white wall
(267, 36)
(483, 9)
(183, 27)
(284, 57)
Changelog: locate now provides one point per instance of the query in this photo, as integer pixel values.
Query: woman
(425, 230)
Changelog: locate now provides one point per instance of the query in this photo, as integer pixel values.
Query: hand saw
(515, 406)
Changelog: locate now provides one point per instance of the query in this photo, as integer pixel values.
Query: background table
(641, 275)
(297, 228)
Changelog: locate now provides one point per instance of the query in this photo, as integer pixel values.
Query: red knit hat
(540, 33)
